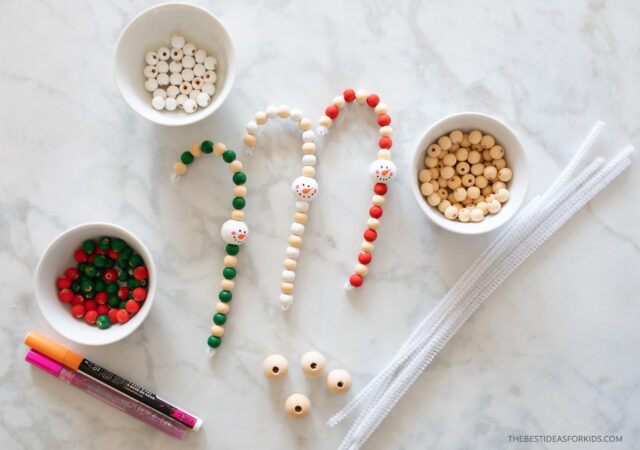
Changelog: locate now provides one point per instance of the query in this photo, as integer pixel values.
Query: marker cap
(54, 351)
(44, 363)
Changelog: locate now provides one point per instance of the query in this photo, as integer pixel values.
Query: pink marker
(107, 395)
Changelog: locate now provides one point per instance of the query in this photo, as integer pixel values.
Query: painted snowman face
(304, 188)
(234, 232)
(382, 171)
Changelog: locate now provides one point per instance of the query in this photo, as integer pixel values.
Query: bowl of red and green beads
(95, 283)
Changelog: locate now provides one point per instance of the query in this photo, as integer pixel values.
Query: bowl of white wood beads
(175, 64)
(470, 173)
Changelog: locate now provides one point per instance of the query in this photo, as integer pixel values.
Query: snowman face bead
(304, 188)
(382, 171)
(234, 232)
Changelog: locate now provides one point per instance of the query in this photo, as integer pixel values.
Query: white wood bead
(296, 115)
(362, 269)
(297, 228)
(339, 101)
(163, 67)
(451, 213)
(252, 127)
(150, 72)
(367, 246)
(302, 206)
(380, 108)
(272, 111)
(151, 84)
(177, 41)
(386, 131)
(308, 136)
(361, 96)
(384, 153)
(187, 75)
(210, 63)
(373, 223)
(200, 56)
(283, 111)
(293, 252)
(199, 70)
(151, 58)
(170, 104)
(159, 93)
(339, 382)
(286, 301)
(309, 160)
(275, 367)
(222, 307)
(502, 195)
(175, 79)
(476, 215)
(297, 406)
(158, 103)
(261, 117)
(378, 200)
(484, 207)
(288, 275)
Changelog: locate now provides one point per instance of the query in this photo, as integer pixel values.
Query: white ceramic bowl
(152, 29)
(514, 155)
(58, 257)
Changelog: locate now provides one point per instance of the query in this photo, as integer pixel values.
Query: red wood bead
(380, 188)
(65, 295)
(385, 142)
(123, 293)
(109, 275)
(78, 311)
(63, 283)
(113, 254)
(370, 235)
(101, 298)
(80, 256)
(384, 120)
(122, 316)
(72, 273)
(375, 212)
(364, 258)
(140, 273)
(332, 111)
(78, 299)
(349, 95)
(373, 100)
(113, 315)
(139, 294)
(90, 305)
(90, 259)
(102, 309)
(355, 280)
(132, 306)
(91, 316)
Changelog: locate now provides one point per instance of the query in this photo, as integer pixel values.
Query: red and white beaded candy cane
(305, 188)
(382, 171)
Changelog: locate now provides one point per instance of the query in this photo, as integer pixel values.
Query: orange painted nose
(242, 236)
(385, 172)
(306, 191)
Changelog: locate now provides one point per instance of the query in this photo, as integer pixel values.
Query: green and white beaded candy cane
(234, 231)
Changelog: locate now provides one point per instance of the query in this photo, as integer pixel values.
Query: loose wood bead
(505, 174)
(275, 367)
(290, 264)
(261, 117)
(444, 142)
(443, 193)
(222, 307)
(325, 121)
(490, 173)
(483, 206)
(496, 152)
(300, 217)
(477, 169)
(249, 140)
(464, 215)
(308, 148)
(486, 156)
(433, 199)
(195, 150)
(460, 194)
(487, 141)
(362, 270)
(476, 215)
(367, 246)
(474, 157)
(454, 182)
(447, 172)
(499, 163)
(230, 261)
(424, 176)
(467, 201)
(313, 364)
(480, 199)
(473, 192)
(494, 206)
(435, 173)
(444, 204)
(294, 241)
(465, 141)
(286, 288)
(442, 154)
(426, 189)
(219, 149)
(227, 285)
(481, 181)
(495, 187)
(456, 136)
(430, 162)
(459, 206)
(297, 406)
(240, 191)
(434, 150)
(305, 124)
(468, 180)
(490, 198)
(451, 212)
(386, 131)
(235, 166)
(462, 154)
(454, 147)
(449, 160)
(180, 168)
(502, 195)
(374, 223)
(308, 171)
(462, 168)
(217, 330)
(378, 200)
(475, 137)
(384, 153)
(486, 190)
(451, 198)
(380, 108)
(338, 382)
(236, 214)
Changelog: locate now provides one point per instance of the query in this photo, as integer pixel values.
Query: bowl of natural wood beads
(471, 173)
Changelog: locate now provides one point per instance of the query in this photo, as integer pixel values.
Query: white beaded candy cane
(382, 171)
(304, 188)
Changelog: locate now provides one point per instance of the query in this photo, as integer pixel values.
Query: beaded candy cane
(234, 231)
(381, 171)
(304, 188)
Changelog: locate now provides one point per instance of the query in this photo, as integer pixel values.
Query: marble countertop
(553, 351)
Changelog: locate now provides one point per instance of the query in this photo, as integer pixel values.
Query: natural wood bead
(300, 217)
(180, 168)
(454, 147)
(227, 285)
(486, 156)
(443, 205)
(449, 160)
(484, 207)
(286, 287)
(479, 199)
(495, 187)
(474, 157)
(380, 108)
(465, 141)
(499, 163)
(476, 215)
(361, 269)
(489, 198)
(338, 382)
(313, 364)
(426, 189)
(486, 190)
(505, 174)
(430, 162)
(339, 101)
(490, 173)
(447, 172)
(219, 149)
(487, 141)
(454, 182)
(460, 194)
(466, 201)
(378, 200)
(295, 241)
(475, 137)
(367, 246)
(459, 206)
(473, 192)
(195, 150)
(468, 180)
(481, 181)
(386, 131)
(290, 264)
(462, 154)
(305, 124)
(361, 96)
(297, 406)
(249, 140)
(444, 142)
(235, 166)
(496, 152)
(442, 154)
(217, 330)
(308, 148)
(443, 193)
(456, 136)
(240, 191)
(434, 150)
(464, 215)
(325, 121)
(230, 261)
(373, 223)
(451, 198)
(308, 171)
(451, 212)
(283, 111)
(462, 168)
(442, 182)
(222, 307)
(424, 176)
(477, 169)
(502, 195)
(261, 117)
(384, 153)
(433, 199)
(237, 214)
(275, 367)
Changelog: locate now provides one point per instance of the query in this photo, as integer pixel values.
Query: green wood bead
(229, 273)
(225, 296)
(89, 295)
(75, 287)
(87, 286)
(88, 246)
(232, 249)
(132, 283)
(219, 318)
(238, 202)
(103, 321)
(239, 178)
(213, 341)
(90, 270)
(186, 157)
(123, 276)
(100, 285)
(122, 304)
(229, 156)
(122, 263)
(113, 301)
(104, 243)
(135, 261)
(118, 245)
(111, 288)
(125, 254)
(100, 261)
(206, 147)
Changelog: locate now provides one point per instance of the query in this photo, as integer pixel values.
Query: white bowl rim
(469, 228)
(150, 296)
(223, 95)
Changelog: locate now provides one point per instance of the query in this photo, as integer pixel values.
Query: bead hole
(275, 369)
(314, 365)
(298, 408)
(340, 384)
